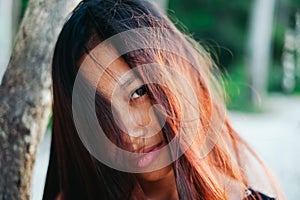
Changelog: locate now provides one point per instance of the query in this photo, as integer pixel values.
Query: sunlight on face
(132, 105)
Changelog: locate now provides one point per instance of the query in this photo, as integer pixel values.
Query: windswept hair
(75, 174)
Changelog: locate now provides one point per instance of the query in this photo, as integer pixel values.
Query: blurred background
(256, 44)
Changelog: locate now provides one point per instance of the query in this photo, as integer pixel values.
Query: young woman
(138, 113)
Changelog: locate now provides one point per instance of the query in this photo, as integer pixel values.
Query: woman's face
(132, 111)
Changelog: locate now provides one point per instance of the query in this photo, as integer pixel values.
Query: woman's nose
(136, 120)
(141, 117)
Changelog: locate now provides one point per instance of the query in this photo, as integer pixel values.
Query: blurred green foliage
(224, 26)
(218, 22)
(24, 4)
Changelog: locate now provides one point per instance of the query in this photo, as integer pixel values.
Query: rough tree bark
(25, 98)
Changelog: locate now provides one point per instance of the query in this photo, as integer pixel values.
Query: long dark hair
(74, 173)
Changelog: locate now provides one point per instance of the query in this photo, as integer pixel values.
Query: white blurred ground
(274, 134)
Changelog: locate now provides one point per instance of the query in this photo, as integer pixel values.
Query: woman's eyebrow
(128, 80)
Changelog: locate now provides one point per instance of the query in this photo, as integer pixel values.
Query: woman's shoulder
(251, 194)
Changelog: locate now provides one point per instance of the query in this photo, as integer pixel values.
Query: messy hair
(212, 165)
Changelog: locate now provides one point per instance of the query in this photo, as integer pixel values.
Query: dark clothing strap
(254, 195)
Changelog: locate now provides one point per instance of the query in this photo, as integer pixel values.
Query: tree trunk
(259, 48)
(25, 98)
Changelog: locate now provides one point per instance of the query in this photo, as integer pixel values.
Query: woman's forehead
(102, 70)
(116, 75)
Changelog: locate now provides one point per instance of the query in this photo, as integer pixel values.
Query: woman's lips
(149, 154)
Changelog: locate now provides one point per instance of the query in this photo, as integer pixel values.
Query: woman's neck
(161, 189)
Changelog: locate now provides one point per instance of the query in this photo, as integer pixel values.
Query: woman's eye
(139, 92)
